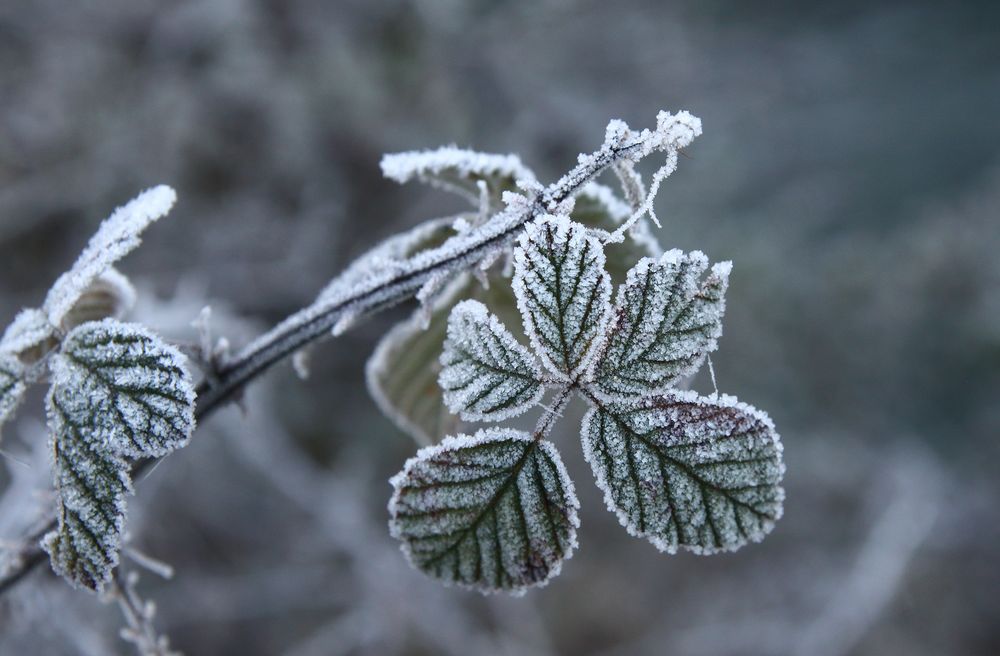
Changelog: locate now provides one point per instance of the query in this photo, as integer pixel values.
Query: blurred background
(850, 168)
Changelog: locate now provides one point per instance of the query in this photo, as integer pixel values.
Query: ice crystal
(563, 293)
(702, 473)
(667, 321)
(486, 374)
(494, 511)
(118, 392)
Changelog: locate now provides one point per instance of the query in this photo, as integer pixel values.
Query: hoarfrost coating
(495, 511)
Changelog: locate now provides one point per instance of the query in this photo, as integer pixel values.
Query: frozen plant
(496, 510)
(117, 392)
(516, 302)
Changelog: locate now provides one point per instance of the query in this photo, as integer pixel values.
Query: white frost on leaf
(493, 512)
(12, 386)
(486, 375)
(30, 329)
(117, 236)
(562, 292)
(92, 482)
(458, 170)
(702, 473)
(129, 387)
(667, 320)
(118, 392)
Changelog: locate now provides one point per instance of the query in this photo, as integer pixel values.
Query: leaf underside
(118, 392)
(667, 320)
(563, 293)
(493, 512)
(486, 374)
(686, 471)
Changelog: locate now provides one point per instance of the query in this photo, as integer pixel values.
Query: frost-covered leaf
(117, 236)
(402, 373)
(28, 336)
(667, 319)
(118, 392)
(110, 295)
(681, 470)
(124, 388)
(458, 170)
(495, 511)
(92, 482)
(11, 386)
(486, 375)
(562, 292)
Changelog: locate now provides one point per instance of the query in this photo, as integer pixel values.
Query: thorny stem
(313, 323)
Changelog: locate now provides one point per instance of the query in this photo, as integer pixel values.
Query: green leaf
(402, 373)
(92, 482)
(667, 321)
(486, 374)
(701, 473)
(125, 388)
(494, 512)
(563, 293)
(117, 392)
(458, 170)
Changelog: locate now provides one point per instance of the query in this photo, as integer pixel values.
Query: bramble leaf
(563, 293)
(667, 320)
(702, 473)
(92, 482)
(495, 511)
(458, 170)
(118, 392)
(487, 375)
(402, 372)
(126, 386)
(28, 336)
(117, 236)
